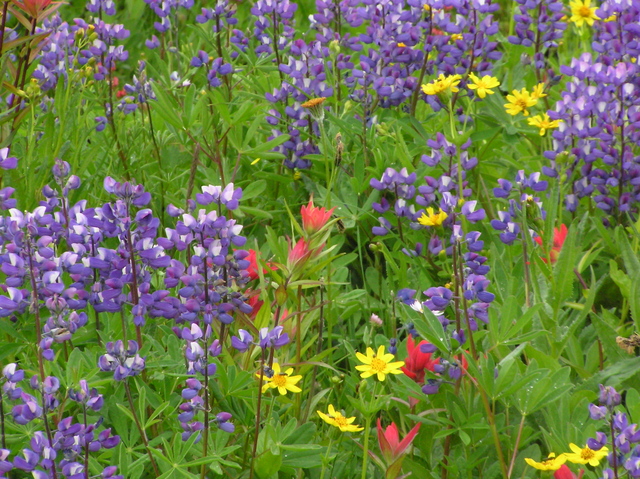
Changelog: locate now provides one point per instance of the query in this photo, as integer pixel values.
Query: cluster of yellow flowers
(444, 84)
(579, 455)
(521, 101)
(377, 364)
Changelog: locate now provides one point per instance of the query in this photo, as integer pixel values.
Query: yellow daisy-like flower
(282, 381)
(483, 86)
(378, 364)
(552, 463)
(543, 122)
(338, 420)
(455, 37)
(401, 45)
(586, 455)
(432, 218)
(520, 101)
(538, 91)
(582, 12)
(442, 84)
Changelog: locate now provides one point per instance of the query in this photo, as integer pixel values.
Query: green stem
(143, 434)
(365, 454)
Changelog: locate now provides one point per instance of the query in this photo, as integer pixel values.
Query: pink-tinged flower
(417, 361)
(565, 473)
(32, 7)
(314, 219)
(559, 235)
(393, 450)
(299, 252)
(253, 265)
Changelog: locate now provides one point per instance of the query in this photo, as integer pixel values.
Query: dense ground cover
(345, 239)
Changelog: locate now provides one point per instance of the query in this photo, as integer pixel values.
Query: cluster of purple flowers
(539, 24)
(593, 149)
(510, 222)
(63, 450)
(623, 437)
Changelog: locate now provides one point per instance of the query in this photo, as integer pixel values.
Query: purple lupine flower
(274, 338)
(7, 162)
(106, 6)
(201, 58)
(123, 362)
(242, 342)
(222, 420)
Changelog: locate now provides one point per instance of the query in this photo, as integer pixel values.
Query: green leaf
(267, 464)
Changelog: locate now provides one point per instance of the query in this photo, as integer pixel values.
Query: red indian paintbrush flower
(313, 218)
(559, 235)
(417, 362)
(32, 7)
(392, 448)
(565, 473)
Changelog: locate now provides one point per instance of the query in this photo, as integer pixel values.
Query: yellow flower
(379, 364)
(537, 91)
(455, 37)
(431, 218)
(401, 45)
(338, 420)
(483, 85)
(586, 455)
(552, 463)
(543, 122)
(519, 101)
(582, 11)
(442, 84)
(282, 381)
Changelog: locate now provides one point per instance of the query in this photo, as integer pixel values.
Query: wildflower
(559, 235)
(519, 101)
(34, 7)
(538, 91)
(283, 381)
(338, 420)
(442, 84)
(582, 11)
(483, 85)
(431, 218)
(313, 102)
(543, 122)
(417, 360)
(315, 107)
(389, 441)
(300, 252)
(379, 364)
(392, 448)
(552, 463)
(314, 219)
(565, 473)
(586, 455)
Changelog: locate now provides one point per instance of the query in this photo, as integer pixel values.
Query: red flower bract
(559, 235)
(417, 362)
(314, 219)
(32, 7)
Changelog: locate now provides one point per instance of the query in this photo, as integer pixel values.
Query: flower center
(522, 103)
(279, 380)
(584, 12)
(378, 365)
(587, 454)
(341, 421)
